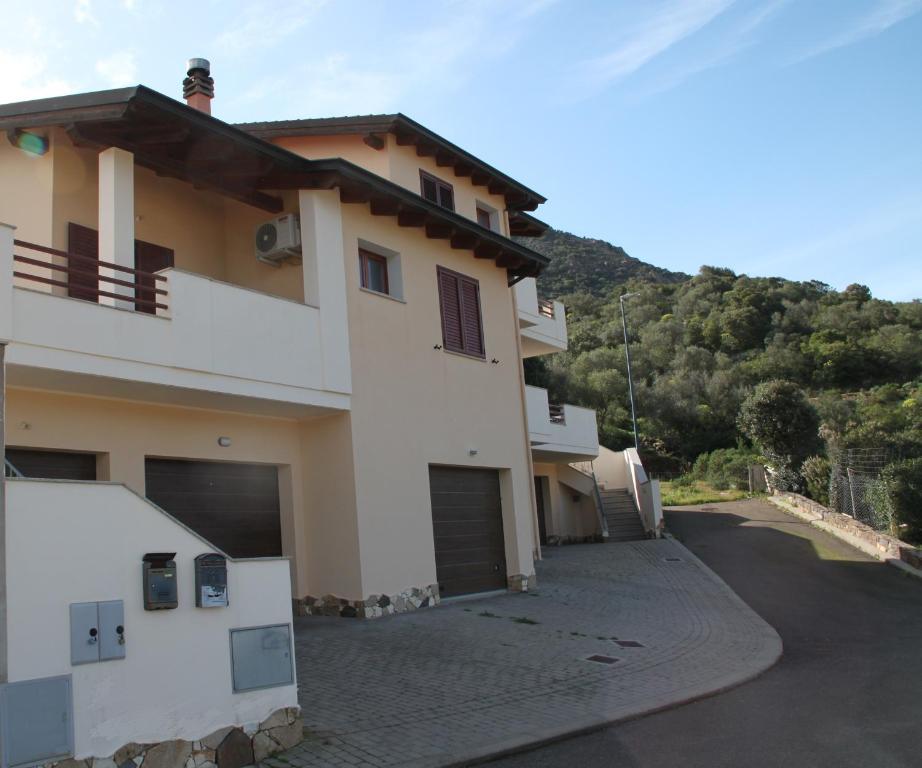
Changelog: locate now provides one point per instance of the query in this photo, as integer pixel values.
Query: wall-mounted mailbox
(211, 581)
(97, 631)
(159, 582)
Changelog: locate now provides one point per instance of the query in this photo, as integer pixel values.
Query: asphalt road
(848, 690)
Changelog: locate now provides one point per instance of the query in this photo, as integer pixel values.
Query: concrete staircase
(622, 516)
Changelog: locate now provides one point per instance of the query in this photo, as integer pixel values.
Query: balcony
(560, 432)
(542, 323)
(170, 336)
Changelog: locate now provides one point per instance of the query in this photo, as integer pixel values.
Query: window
(437, 191)
(462, 325)
(374, 271)
(484, 219)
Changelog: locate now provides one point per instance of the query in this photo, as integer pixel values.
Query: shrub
(900, 492)
(816, 470)
(726, 467)
(782, 424)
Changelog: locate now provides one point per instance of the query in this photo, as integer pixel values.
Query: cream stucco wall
(414, 405)
(83, 542)
(123, 433)
(568, 513)
(401, 165)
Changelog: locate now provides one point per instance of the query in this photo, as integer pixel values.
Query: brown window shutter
(470, 312)
(446, 196)
(149, 258)
(83, 241)
(450, 303)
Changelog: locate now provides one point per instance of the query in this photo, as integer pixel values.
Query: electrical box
(211, 581)
(261, 657)
(36, 721)
(97, 632)
(159, 581)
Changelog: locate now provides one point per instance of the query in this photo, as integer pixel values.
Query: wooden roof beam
(410, 218)
(375, 140)
(384, 207)
(445, 159)
(354, 195)
(479, 178)
(438, 230)
(464, 241)
(487, 250)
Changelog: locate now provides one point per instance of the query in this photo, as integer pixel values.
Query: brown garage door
(234, 506)
(467, 519)
(52, 465)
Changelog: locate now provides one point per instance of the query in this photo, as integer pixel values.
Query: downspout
(4, 669)
(536, 538)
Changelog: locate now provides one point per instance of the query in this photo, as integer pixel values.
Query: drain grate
(600, 659)
(673, 559)
(629, 644)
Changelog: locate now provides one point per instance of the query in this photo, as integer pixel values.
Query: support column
(116, 221)
(4, 667)
(7, 232)
(324, 269)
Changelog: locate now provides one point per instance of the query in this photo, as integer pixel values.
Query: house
(293, 345)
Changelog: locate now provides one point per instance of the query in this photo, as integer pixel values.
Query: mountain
(589, 265)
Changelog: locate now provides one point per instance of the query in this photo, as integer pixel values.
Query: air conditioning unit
(279, 240)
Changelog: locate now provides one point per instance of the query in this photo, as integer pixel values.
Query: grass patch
(698, 492)
(523, 620)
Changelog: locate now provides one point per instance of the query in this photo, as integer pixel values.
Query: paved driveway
(473, 678)
(848, 691)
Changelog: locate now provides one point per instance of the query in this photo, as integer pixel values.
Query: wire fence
(855, 486)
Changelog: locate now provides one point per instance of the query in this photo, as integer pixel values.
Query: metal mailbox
(159, 581)
(211, 581)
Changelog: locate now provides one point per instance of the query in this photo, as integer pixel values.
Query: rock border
(879, 545)
(372, 607)
(228, 747)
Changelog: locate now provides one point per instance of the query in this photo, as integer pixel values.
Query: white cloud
(739, 37)
(265, 24)
(884, 14)
(83, 13)
(447, 52)
(25, 77)
(118, 69)
(656, 35)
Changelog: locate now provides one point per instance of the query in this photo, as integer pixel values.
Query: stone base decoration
(877, 544)
(519, 582)
(372, 607)
(229, 747)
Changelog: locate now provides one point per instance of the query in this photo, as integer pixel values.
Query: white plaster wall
(578, 436)
(611, 469)
(234, 334)
(78, 542)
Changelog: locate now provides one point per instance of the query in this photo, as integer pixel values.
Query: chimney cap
(201, 64)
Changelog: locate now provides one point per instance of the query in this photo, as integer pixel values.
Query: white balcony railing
(560, 432)
(208, 337)
(543, 323)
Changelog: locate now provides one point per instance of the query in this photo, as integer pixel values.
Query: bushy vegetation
(899, 492)
(819, 371)
(725, 468)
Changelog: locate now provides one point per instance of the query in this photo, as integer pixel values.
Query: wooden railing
(557, 414)
(81, 276)
(546, 308)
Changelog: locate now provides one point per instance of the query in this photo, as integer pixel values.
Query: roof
(410, 133)
(176, 140)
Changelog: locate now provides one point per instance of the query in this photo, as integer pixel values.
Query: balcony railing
(557, 414)
(81, 276)
(546, 308)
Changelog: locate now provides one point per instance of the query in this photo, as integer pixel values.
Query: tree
(782, 424)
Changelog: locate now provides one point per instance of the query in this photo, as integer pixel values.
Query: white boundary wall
(74, 542)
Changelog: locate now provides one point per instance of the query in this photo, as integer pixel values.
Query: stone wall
(229, 747)
(881, 545)
(372, 607)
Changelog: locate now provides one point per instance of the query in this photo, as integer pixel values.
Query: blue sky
(775, 137)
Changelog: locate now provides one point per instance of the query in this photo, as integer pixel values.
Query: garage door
(52, 465)
(234, 506)
(467, 520)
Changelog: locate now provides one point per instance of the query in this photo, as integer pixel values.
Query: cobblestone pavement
(481, 677)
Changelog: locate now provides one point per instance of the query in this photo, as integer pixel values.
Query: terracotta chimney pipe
(198, 87)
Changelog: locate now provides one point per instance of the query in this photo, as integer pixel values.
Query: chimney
(198, 87)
